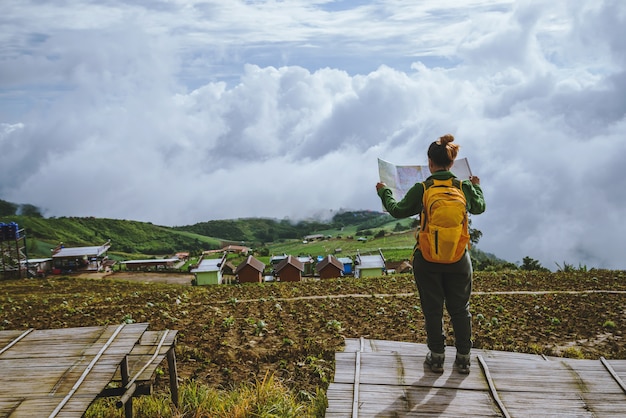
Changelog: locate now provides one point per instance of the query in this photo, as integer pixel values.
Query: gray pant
(449, 284)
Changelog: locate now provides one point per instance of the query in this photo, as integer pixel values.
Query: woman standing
(439, 282)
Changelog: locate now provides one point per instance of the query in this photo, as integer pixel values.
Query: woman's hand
(380, 185)
(475, 180)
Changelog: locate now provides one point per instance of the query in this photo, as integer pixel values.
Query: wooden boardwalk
(375, 378)
(59, 373)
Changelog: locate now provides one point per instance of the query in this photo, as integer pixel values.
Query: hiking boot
(435, 361)
(462, 363)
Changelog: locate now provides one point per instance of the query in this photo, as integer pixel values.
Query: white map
(400, 178)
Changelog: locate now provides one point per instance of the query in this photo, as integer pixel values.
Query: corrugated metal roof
(82, 251)
(209, 264)
(36, 260)
(371, 261)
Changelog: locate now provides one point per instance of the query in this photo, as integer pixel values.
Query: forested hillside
(263, 231)
(134, 237)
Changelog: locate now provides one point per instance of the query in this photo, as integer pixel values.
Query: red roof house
(250, 271)
(330, 267)
(290, 269)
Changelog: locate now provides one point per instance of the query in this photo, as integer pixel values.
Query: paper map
(400, 178)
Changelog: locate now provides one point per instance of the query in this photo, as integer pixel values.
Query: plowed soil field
(229, 334)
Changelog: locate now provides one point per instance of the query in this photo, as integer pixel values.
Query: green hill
(127, 237)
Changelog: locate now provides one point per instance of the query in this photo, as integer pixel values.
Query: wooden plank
(551, 376)
(339, 396)
(6, 336)
(408, 370)
(62, 371)
(8, 344)
(492, 388)
(570, 404)
(143, 352)
(393, 381)
(406, 401)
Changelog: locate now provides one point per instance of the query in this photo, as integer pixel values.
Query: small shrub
(334, 325)
(573, 352)
(609, 324)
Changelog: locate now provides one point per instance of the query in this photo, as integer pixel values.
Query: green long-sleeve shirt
(411, 204)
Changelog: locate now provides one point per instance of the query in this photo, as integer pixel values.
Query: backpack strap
(426, 184)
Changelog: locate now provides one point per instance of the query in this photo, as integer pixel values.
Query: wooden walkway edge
(59, 373)
(376, 378)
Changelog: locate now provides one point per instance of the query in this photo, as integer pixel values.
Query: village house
(369, 265)
(275, 260)
(182, 256)
(347, 264)
(229, 249)
(250, 271)
(308, 264)
(330, 267)
(290, 269)
(39, 267)
(209, 271)
(151, 265)
(313, 237)
(67, 260)
(401, 267)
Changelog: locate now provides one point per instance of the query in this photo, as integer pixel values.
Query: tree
(531, 265)
(475, 234)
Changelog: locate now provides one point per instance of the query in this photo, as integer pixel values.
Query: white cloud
(180, 112)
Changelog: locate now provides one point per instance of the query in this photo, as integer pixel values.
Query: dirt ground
(142, 277)
(230, 334)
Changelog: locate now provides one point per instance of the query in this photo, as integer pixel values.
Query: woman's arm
(410, 205)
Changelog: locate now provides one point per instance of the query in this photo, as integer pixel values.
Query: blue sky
(176, 112)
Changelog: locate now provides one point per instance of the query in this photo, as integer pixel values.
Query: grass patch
(266, 398)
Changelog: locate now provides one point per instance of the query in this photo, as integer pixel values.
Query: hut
(329, 267)
(250, 271)
(369, 265)
(399, 267)
(39, 267)
(229, 268)
(67, 259)
(150, 265)
(208, 271)
(308, 264)
(347, 264)
(290, 269)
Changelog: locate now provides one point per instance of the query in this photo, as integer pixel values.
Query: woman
(441, 283)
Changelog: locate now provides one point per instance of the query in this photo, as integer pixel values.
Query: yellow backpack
(443, 236)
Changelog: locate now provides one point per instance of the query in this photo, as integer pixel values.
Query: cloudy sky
(182, 111)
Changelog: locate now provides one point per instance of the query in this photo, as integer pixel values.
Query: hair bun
(446, 139)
